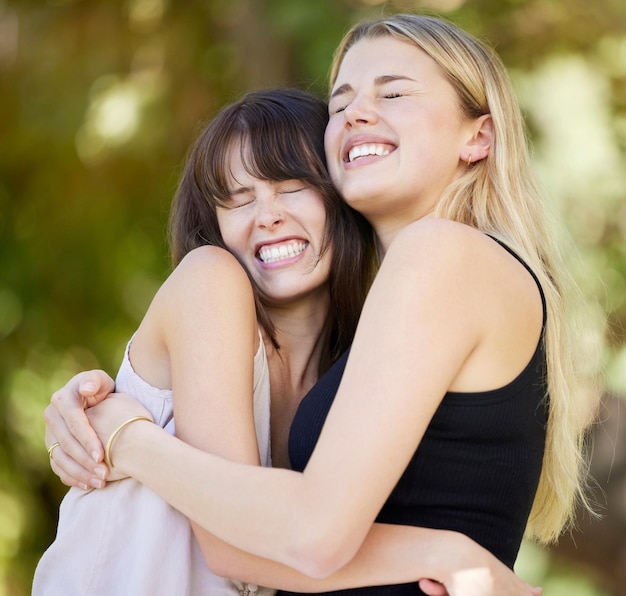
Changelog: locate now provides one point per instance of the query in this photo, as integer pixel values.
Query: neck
(294, 368)
(386, 230)
(301, 334)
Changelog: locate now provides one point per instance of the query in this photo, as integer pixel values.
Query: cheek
(307, 208)
(316, 214)
(231, 232)
(332, 145)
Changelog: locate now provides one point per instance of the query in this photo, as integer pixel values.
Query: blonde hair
(499, 196)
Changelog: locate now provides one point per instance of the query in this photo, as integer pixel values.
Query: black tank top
(476, 469)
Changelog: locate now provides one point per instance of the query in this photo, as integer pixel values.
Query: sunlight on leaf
(10, 312)
(11, 523)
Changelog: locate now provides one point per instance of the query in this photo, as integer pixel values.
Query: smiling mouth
(278, 252)
(368, 149)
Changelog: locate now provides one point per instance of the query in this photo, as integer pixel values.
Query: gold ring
(52, 448)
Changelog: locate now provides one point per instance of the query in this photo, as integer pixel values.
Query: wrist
(114, 448)
(455, 552)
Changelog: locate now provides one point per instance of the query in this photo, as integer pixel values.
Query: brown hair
(283, 133)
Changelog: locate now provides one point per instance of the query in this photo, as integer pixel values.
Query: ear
(479, 144)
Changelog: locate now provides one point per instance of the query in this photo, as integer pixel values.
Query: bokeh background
(99, 101)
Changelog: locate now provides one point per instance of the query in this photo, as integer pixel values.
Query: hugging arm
(389, 553)
(282, 512)
(192, 326)
(312, 521)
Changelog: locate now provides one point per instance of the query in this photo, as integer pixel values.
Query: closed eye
(336, 109)
(340, 108)
(290, 187)
(237, 200)
(241, 204)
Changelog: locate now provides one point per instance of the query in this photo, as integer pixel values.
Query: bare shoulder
(206, 297)
(487, 296)
(211, 258)
(440, 245)
(442, 235)
(206, 278)
(209, 268)
(450, 257)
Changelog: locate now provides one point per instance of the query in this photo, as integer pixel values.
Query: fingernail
(83, 486)
(96, 483)
(100, 472)
(95, 455)
(88, 386)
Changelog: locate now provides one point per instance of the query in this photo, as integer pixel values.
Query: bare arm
(207, 330)
(426, 312)
(199, 326)
(389, 554)
(311, 520)
(393, 554)
(360, 567)
(210, 334)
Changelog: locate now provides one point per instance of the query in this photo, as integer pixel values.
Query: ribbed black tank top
(476, 469)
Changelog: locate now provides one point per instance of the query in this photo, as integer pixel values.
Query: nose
(360, 110)
(269, 214)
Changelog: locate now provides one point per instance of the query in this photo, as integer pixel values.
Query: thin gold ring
(52, 448)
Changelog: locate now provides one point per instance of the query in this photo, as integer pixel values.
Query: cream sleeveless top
(125, 539)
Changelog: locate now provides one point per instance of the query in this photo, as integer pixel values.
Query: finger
(72, 474)
(86, 388)
(57, 427)
(65, 416)
(94, 386)
(432, 587)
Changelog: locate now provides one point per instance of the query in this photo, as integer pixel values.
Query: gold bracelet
(107, 449)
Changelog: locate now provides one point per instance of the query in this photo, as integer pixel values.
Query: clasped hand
(81, 420)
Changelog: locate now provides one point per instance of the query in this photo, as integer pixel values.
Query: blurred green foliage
(99, 101)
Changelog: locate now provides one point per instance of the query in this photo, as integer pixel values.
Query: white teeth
(368, 149)
(271, 254)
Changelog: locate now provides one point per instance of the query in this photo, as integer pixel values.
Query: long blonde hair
(499, 196)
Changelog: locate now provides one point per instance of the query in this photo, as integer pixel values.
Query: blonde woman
(457, 407)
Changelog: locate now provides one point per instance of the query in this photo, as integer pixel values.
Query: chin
(358, 199)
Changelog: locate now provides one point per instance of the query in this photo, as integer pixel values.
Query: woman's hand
(434, 588)
(108, 416)
(476, 572)
(77, 459)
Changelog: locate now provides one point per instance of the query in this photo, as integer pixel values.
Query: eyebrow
(378, 82)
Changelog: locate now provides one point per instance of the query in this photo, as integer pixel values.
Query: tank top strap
(532, 273)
